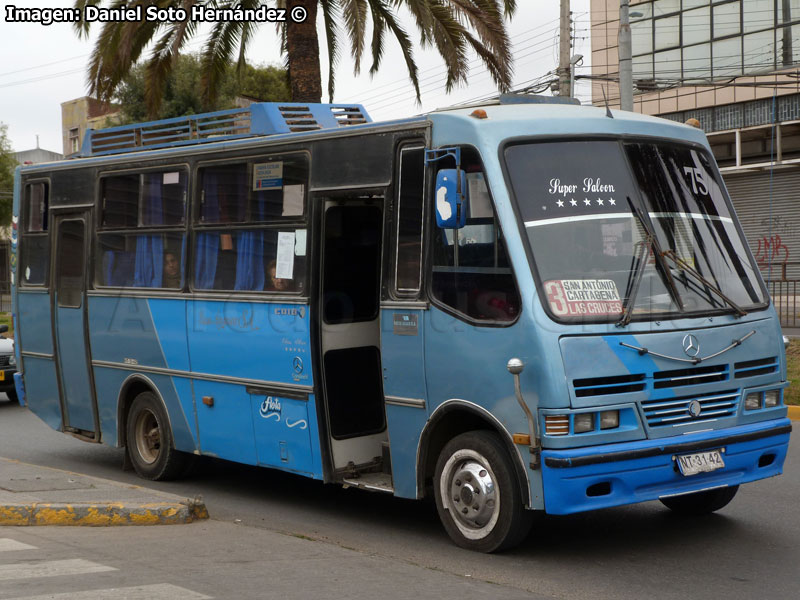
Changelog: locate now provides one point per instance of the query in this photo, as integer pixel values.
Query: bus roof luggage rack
(264, 118)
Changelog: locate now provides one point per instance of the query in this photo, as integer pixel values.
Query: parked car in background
(8, 365)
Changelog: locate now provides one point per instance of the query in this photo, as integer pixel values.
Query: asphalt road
(749, 549)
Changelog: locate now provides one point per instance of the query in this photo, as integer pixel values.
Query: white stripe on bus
(627, 215)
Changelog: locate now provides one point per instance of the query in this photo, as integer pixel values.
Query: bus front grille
(751, 368)
(667, 412)
(691, 376)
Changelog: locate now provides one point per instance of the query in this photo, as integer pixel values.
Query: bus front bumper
(583, 479)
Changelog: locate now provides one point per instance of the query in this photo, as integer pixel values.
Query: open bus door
(70, 328)
(352, 242)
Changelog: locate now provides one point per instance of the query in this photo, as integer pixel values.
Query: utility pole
(564, 46)
(625, 66)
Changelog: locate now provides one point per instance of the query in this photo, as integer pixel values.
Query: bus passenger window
(140, 260)
(471, 271)
(34, 241)
(250, 260)
(36, 207)
(230, 252)
(163, 198)
(120, 201)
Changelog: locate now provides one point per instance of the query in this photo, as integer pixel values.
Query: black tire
(149, 440)
(701, 503)
(12, 395)
(474, 473)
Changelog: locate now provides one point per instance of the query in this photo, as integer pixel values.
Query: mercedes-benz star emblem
(695, 409)
(691, 346)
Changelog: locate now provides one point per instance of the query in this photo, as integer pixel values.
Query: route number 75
(698, 180)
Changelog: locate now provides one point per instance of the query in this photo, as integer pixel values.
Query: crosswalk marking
(160, 591)
(52, 568)
(9, 545)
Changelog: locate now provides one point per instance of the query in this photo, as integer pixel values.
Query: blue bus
(523, 306)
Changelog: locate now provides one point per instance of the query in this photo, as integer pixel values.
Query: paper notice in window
(267, 176)
(172, 178)
(480, 205)
(293, 200)
(284, 262)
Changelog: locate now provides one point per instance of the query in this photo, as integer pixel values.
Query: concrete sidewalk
(34, 495)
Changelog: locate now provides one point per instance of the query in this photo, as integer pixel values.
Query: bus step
(374, 482)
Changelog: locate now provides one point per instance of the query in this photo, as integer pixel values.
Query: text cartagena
(151, 13)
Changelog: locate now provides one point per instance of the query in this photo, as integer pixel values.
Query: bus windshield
(640, 228)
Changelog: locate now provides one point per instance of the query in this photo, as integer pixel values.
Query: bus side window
(34, 245)
(140, 240)
(471, 272)
(242, 239)
(410, 188)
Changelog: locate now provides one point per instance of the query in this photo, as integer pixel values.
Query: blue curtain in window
(150, 248)
(250, 253)
(207, 246)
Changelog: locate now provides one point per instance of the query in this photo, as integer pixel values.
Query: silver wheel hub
(469, 492)
(148, 437)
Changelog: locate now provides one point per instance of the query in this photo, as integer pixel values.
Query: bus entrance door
(350, 330)
(71, 343)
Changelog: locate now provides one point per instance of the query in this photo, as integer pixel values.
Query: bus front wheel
(701, 503)
(149, 440)
(477, 494)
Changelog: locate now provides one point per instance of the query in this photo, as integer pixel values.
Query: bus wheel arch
(453, 418)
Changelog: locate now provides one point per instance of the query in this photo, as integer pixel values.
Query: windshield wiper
(650, 242)
(687, 268)
(633, 284)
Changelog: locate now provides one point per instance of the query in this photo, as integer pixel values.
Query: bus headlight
(583, 422)
(752, 401)
(609, 419)
(12, 360)
(772, 398)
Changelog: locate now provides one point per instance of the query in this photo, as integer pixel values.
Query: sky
(43, 66)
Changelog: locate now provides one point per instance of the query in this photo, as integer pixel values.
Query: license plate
(2, 375)
(700, 462)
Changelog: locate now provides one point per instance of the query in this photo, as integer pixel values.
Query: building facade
(80, 115)
(734, 65)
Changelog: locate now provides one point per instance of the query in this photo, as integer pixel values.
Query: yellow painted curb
(794, 413)
(102, 515)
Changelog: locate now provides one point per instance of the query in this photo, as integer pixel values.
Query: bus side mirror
(451, 188)
(3, 328)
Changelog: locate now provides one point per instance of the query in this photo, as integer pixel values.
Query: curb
(794, 413)
(102, 515)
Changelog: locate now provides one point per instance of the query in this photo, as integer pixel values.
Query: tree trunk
(302, 47)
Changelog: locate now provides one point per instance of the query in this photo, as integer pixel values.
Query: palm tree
(453, 27)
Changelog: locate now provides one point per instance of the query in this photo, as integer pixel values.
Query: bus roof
(506, 118)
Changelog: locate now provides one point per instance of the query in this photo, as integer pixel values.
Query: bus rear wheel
(701, 503)
(149, 440)
(478, 497)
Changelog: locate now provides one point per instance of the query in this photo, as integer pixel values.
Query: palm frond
(421, 11)
(82, 27)
(330, 16)
(448, 37)
(163, 58)
(389, 20)
(355, 23)
(486, 19)
(217, 56)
